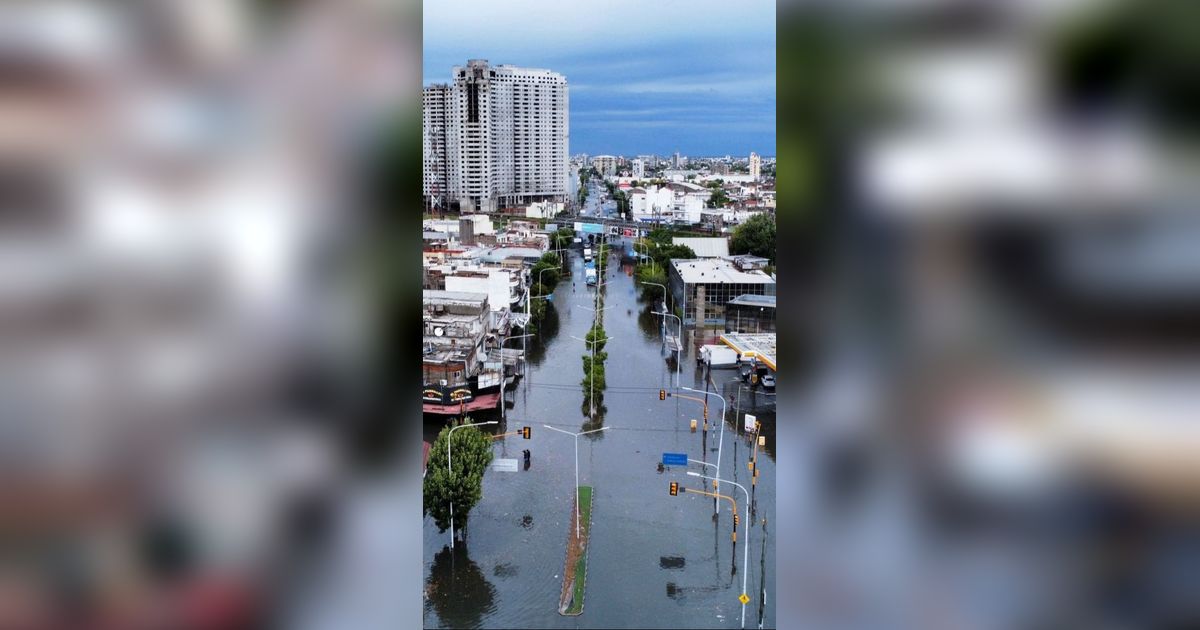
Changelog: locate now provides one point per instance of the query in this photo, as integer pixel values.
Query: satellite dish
(439, 331)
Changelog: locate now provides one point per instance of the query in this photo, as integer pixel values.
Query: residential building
(606, 165)
(705, 247)
(755, 166)
(543, 210)
(497, 136)
(435, 146)
(703, 287)
(677, 202)
(638, 168)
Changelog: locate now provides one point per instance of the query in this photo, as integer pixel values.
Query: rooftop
(705, 247)
(717, 270)
(767, 301)
(758, 345)
(431, 296)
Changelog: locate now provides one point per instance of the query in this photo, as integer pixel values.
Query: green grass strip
(585, 521)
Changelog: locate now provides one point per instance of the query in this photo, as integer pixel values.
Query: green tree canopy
(471, 453)
(756, 236)
(718, 199)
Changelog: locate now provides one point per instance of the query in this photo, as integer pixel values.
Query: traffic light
(735, 520)
(674, 488)
(662, 394)
(526, 432)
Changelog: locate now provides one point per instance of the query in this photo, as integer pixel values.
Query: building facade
(435, 146)
(755, 167)
(703, 287)
(496, 136)
(606, 165)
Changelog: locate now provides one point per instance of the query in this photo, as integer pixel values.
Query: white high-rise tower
(506, 137)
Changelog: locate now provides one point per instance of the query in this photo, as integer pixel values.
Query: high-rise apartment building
(606, 165)
(435, 153)
(755, 166)
(638, 168)
(500, 134)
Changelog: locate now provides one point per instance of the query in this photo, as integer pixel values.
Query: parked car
(768, 382)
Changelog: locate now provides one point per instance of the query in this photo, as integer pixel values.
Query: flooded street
(654, 560)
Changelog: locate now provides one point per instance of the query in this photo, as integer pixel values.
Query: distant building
(638, 168)
(703, 287)
(755, 166)
(495, 137)
(606, 165)
(674, 203)
(705, 247)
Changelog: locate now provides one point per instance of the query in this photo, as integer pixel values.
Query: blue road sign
(675, 459)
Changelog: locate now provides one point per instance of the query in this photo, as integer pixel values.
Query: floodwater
(654, 560)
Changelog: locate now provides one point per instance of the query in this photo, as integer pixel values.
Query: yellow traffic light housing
(526, 432)
(674, 488)
(662, 394)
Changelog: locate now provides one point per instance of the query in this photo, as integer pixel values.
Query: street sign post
(749, 422)
(504, 465)
(674, 459)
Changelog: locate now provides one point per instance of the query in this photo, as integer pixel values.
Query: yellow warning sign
(745, 599)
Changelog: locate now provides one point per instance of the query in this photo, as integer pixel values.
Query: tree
(718, 199)
(756, 236)
(597, 335)
(472, 453)
(563, 238)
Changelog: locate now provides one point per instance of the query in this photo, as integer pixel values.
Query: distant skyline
(695, 77)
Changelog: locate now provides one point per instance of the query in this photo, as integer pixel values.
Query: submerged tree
(471, 454)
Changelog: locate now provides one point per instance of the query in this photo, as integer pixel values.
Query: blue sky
(645, 76)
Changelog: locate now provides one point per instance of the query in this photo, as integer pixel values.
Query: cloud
(697, 76)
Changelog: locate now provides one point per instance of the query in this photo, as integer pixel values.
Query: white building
(705, 247)
(543, 210)
(496, 136)
(606, 165)
(755, 166)
(638, 170)
(674, 203)
(435, 147)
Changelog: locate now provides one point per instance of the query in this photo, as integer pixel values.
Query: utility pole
(576, 436)
(746, 547)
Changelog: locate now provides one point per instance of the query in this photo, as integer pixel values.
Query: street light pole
(576, 436)
(678, 340)
(746, 547)
(450, 469)
(591, 379)
(503, 410)
(721, 440)
(666, 296)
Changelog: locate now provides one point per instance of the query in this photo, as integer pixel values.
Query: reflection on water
(671, 562)
(457, 590)
(504, 570)
(547, 331)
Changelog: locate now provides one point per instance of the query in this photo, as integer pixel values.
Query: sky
(645, 76)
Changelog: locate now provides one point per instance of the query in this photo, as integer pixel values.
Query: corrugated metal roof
(705, 247)
(751, 299)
